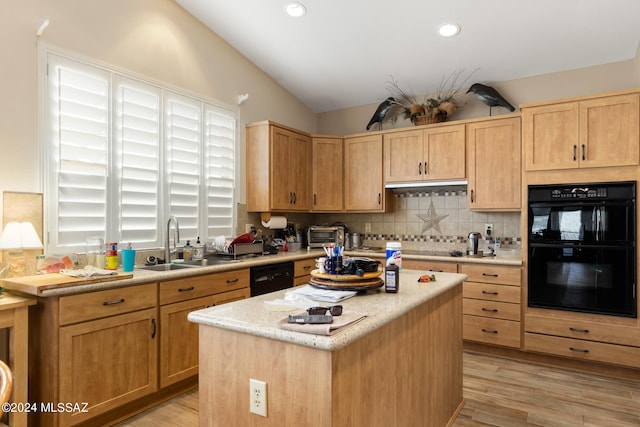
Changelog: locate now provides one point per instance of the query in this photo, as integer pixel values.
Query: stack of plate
(346, 282)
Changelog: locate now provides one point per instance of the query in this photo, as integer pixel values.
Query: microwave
(323, 235)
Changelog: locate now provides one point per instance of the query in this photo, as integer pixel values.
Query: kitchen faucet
(176, 239)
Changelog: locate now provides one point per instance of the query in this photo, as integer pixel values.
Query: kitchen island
(400, 365)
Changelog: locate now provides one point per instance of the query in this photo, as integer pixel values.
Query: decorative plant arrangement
(433, 108)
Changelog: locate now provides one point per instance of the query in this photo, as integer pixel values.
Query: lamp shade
(20, 235)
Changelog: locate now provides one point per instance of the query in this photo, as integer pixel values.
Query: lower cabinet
(108, 362)
(595, 341)
(112, 348)
(302, 271)
(491, 304)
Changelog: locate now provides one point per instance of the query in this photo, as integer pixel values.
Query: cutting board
(35, 285)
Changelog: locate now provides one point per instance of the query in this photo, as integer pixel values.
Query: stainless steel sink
(166, 267)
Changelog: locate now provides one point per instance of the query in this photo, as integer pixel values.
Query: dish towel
(88, 271)
(347, 318)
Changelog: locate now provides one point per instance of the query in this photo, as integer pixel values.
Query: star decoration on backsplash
(432, 219)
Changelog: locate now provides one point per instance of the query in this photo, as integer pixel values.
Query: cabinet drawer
(584, 330)
(491, 273)
(304, 267)
(427, 265)
(583, 350)
(491, 331)
(492, 292)
(494, 309)
(95, 305)
(199, 286)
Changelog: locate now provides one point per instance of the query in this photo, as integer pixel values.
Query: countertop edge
(222, 316)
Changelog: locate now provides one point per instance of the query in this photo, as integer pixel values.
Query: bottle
(391, 277)
(394, 252)
(187, 251)
(198, 250)
(112, 256)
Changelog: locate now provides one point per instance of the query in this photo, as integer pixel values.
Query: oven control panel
(579, 193)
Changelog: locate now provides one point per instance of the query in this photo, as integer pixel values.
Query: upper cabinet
(494, 164)
(425, 154)
(589, 132)
(278, 168)
(363, 183)
(327, 159)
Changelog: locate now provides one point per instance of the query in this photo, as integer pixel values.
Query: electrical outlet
(248, 228)
(258, 397)
(488, 230)
(367, 227)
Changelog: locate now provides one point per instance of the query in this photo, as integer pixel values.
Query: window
(121, 154)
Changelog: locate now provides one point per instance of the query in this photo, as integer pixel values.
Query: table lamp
(16, 237)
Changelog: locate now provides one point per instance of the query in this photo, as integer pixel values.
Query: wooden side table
(14, 314)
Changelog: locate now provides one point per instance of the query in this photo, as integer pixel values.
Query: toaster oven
(323, 235)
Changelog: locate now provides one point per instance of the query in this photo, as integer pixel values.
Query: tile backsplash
(434, 220)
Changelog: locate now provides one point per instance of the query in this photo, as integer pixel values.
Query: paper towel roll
(276, 222)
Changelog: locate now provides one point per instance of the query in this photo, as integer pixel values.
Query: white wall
(155, 38)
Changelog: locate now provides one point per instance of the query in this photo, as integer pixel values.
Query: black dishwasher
(270, 278)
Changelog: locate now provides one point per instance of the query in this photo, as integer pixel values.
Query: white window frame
(192, 227)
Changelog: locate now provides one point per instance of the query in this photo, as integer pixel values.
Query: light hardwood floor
(497, 392)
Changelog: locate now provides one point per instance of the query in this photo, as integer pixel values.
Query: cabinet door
(494, 165)
(327, 174)
(179, 336)
(609, 134)
(550, 136)
(108, 362)
(403, 156)
(282, 141)
(363, 185)
(300, 172)
(445, 153)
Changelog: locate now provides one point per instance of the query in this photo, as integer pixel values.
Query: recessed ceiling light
(295, 9)
(448, 30)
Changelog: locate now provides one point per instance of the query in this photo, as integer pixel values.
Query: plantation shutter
(79, 144)
(137, 147)
(183, 120)
(219, 165)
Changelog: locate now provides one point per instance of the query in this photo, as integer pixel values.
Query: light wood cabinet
(363, 179)
(584, 133)
(302, 271)
(576, 338)
(429, 265)
(119, 350)
(491, 304)
(425, 154)
(179, 337)
(327, 160)
(494, 165)
(278, 168)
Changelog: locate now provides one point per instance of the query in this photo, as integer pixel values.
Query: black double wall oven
(582, 248)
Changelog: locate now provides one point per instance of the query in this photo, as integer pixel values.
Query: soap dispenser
(198, 252)
(187, 251)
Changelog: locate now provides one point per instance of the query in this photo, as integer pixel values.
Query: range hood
(406, 187)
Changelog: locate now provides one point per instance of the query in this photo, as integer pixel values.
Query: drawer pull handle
(579, 350)
(437, 271)
(190, 288)
(491, 310)
(306, 267)
(155, 328)
(233, 280)
(490, 275)
(489, 331)
(120, 301)
(584, 331)
(489, 293)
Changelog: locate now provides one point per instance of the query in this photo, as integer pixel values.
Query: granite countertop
(252, 316)
(146, 276)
